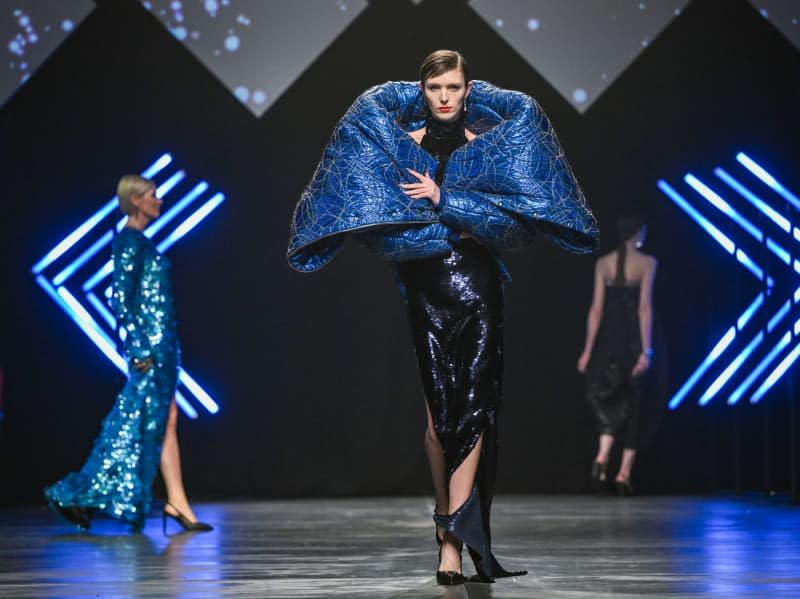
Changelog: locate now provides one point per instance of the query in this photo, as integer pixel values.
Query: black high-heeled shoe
(624, 489)
(466, 524)
(449, 577)
(187, 524)
(75, 514)
(598, 472)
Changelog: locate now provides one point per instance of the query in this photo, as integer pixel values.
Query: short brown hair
(441, 61)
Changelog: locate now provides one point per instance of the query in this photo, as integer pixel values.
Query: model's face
(148, 204)
(445, 94)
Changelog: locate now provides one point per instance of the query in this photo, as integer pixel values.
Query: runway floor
(572, 546)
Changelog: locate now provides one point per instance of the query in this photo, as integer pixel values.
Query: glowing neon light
(723, 206)
(771, 213)
(732, 368)
(720, 347)
(103, 311)
(779, 251)
(164, 219)
(779, 315)
(82, 259)
(758, 370)
(101, 274)
(751, 310)
(701, 220)
(185, 405)
(84, 320)
(776, 374)
(191, 222)
(749, 264)
(198, 391)
(771, 181)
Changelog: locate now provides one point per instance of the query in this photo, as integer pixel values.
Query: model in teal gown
(118, 475)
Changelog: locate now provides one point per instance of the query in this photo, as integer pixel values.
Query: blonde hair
(129, 186)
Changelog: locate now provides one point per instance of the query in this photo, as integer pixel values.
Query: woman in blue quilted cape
(438, 177)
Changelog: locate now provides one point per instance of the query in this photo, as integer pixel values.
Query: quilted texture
(511, 181)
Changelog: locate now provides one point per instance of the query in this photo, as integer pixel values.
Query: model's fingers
(416, 174)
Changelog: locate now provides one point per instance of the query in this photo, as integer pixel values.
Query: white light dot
(176, 5)
(764, 13)
(147, 5)
(179, 33)
(33, 38)
(642, 6)
(533, 24)
(212, 6)
(677, 11)
(67, 25)
(179, 17)
(195, 35)
(232, 43)
(259, 97)
(580, 95)
(24, 21)
(242, 93)
(15, 47)
(499, 22)
(795, 21)
(645, 42)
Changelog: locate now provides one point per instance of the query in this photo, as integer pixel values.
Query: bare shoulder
(605, 262)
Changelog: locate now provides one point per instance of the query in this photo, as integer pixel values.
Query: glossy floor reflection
(573, 547)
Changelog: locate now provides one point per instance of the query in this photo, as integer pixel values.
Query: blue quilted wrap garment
(511, 181)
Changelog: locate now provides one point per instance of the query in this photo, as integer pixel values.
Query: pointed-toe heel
(185, 523)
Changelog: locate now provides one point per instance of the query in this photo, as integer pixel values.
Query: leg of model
(171, 468)
(436, 459)
(624, 474)
(461, 484)
(603, 451)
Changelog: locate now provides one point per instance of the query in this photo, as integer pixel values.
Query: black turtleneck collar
(442, 138)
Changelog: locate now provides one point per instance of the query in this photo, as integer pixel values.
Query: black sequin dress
(455, 309)
(612, 393)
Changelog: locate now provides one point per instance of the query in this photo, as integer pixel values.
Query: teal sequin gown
(117, 477)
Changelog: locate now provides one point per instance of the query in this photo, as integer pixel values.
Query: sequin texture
(118, 475)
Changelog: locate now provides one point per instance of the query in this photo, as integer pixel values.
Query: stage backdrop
(313, 375)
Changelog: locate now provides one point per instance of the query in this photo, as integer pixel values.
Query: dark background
(315, 373)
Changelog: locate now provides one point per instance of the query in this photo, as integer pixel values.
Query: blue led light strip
(701, 220)
(102, 310)
(191, 222)
(720, 347)
(776, 374)
(731, 369)
(83, 258)
(771, 181)
(758, 370)
(748, 314)
(770, 212)
(723, 206)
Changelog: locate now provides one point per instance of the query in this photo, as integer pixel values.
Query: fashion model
(438, 177)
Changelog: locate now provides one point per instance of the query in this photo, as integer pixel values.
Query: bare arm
(646, 317)
(594, 316)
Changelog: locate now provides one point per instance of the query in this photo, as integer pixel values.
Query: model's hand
(426, 188)
(142, 365)
(583, 362)
(641, 366)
